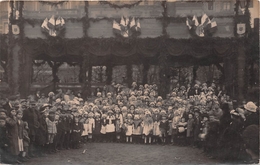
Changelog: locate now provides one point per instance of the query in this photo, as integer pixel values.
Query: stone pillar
(15, 44)
(129, 74)
(241, 71)
(82, 74)
(145, 71)
(109, 72)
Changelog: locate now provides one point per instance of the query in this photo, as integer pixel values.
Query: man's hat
(250, 106)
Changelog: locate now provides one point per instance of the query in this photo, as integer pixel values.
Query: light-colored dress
(147, 126)
(91, 125)
(110, 127)
(85, 131)
(129, 127)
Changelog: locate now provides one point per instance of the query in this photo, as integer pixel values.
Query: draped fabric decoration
(146, 47)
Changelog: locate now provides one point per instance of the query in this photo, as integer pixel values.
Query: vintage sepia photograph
(129, 82)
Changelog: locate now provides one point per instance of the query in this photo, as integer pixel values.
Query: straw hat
(250, 106)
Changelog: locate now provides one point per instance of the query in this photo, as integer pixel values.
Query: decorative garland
(165, 21)
(53, 3)
(11, 44)
(85, 21)
(244, 18)
(120, 6)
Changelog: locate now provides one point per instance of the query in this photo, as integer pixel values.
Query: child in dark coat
(164, 127)
(26, 139)
(96, 131)
(190, 125)
(77, 129)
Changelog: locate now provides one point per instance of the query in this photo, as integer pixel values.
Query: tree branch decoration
(127, 28)
(120, 6)
(53, 27)
(206, 27)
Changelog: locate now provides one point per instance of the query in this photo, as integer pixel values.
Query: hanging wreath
(120, 6)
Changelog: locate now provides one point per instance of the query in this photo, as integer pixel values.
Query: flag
(205, 20)
(125, 33)
(189, 23)
(116, 27)
(132, 23)
(52, 33)
(138, 26)
(51, 23)
(195, 21)
(45, 25)
(58, 22)
(62, 21)
(211, 27)
(122, 22)
(126, 21)
(15, 29)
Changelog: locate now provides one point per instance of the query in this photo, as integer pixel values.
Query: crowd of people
(200, 116)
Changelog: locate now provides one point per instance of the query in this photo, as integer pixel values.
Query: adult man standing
(31, 116)
(251, 114)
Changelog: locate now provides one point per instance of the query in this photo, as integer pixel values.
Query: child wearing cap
(156, 122)
(91, 125)
(52, 131)
(129, 128)
(170, 116)
(85, 122)
(197, 126)
(26, 140)
(181, 135)
(118, 124)
(137, 128)
(175, 121)
(110, 126)
(190, 125)
(96, 131)
(20, 124)
(147, 125)
(164, 127)
(77, 129)
(103, 127)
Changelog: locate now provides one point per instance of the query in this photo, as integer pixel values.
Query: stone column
(241, 71)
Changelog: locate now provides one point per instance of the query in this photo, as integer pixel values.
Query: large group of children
(41, 125)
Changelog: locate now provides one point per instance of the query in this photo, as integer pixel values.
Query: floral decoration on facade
(206, 27)
(127, 28)
(53, 26)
